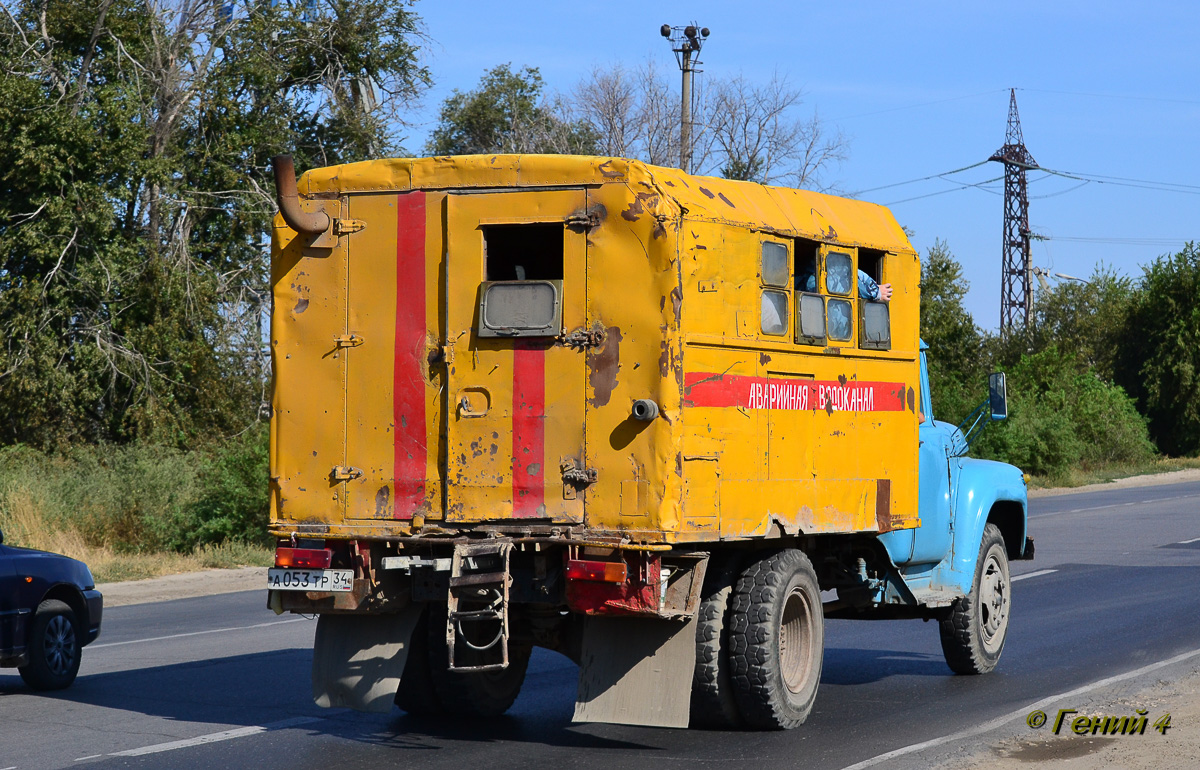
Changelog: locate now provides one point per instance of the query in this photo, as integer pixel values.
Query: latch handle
(345, 473)
(348, 341)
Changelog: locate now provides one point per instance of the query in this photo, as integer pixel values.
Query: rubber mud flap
(636, 671)
(358, 659)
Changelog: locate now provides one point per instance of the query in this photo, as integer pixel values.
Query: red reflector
(310, 558)
(602, 571)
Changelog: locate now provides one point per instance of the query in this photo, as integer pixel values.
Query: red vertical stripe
(408, 388)
(529, 430)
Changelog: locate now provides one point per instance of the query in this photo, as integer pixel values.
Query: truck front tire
(973, 633)
(776, 640)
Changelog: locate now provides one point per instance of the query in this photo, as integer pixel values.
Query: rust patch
(833, 351)
(728, 202)
(662, 303)
(911, 398)
(668, 183)
(764, 359)
(829, 405)
(301, 306)
(382, 502)
(679, 464)
(664, 356)
(603, 366)
(635, 208)
(706, 192)
(883, 504)
(607, 170)
(842, 380)
(677, 303)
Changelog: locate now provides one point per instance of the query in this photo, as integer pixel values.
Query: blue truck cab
(954, 567)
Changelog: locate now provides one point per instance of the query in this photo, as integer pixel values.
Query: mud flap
(636, 671)
(358, 659)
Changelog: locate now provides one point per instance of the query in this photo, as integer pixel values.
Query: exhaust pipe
(313, 223)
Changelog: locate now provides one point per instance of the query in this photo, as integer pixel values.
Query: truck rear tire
(478, 694)
(973, 633)
(776, 640)
(713, 703)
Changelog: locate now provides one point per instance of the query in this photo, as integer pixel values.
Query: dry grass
(25, 523)
(1079, 478)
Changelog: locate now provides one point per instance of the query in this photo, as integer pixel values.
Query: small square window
(841, 320)
(774, 264)
(520, 309)
(876, 326)
(839, 273)
(810, 321)
(774, 313)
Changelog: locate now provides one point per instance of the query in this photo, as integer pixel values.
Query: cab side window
(875, 319)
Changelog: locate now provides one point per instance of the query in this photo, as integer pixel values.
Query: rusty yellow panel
(308, 404)
(370, 357)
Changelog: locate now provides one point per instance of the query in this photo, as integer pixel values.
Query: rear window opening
(523, 252)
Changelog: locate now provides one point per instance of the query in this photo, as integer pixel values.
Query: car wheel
(53, 647)
(973, 633)
(776, 641)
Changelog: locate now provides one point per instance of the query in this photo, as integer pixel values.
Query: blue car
(49, 610)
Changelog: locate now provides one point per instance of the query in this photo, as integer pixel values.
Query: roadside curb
(1145, 480)
(184, 586)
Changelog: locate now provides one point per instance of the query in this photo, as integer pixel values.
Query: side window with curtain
(841, 284)
(774, 275)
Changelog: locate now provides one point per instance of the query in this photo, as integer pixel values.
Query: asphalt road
(221, 682)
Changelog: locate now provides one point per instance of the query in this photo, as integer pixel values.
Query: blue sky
(920, 88)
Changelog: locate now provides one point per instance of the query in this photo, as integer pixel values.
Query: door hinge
(347, 226)
(581, 338)
(348, 341)
(345, 473)
(577, 475)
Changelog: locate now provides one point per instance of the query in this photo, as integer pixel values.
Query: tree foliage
(956, 368)
(507, 112)
(1161, 353)
(134, 197)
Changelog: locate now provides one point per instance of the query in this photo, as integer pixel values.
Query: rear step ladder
(477, 606)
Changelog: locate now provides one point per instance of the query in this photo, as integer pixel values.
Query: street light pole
(685, 42)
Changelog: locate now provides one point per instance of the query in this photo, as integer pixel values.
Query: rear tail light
(309, 558)
(598, 571)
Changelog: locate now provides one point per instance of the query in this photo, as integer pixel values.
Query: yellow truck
(662, 424)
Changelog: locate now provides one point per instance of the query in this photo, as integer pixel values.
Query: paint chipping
(382, 499)
(842, 380)
(706, 191)
(635, 209)
(603, 366)
(607, 170)
(727, 202)
(677, 303)
(911, 399)
(301, 305)
(764, 359)
(883, 505)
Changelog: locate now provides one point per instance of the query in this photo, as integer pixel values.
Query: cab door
(514, 284)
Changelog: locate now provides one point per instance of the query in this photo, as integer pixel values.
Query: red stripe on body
(733, 390)
(529, 430)
(408, 389)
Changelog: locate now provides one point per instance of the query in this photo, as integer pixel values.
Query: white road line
(196, 633)
(1115, 505)
(1185, 542)
(987, 727)
(1038, 573)
(224, 735)
(92, 756)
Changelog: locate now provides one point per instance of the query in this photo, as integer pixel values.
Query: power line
(1115, 241)
(979, 185)
(922, 179)
(1110, 96)
(919, 104)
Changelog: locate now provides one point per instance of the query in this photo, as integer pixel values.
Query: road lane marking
(1044, 703)
(224, 735)
(1038, 573)
(91, 756)
(1186, 542)
(1114, 505)
(196, 633)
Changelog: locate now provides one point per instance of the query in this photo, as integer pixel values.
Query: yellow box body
(392, 416)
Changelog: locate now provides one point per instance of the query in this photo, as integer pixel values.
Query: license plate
(310, 579)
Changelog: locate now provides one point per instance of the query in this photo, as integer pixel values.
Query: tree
(956, 364)
(1160, 358)
(1088, 319)
(633, 114)
(756, 135)
(134, 197)
(507, 113)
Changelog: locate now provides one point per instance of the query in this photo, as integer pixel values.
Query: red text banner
(731, 390)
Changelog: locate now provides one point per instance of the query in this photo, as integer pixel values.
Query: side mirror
(998, 396)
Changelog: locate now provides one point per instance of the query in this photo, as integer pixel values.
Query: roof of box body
(799, 213)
